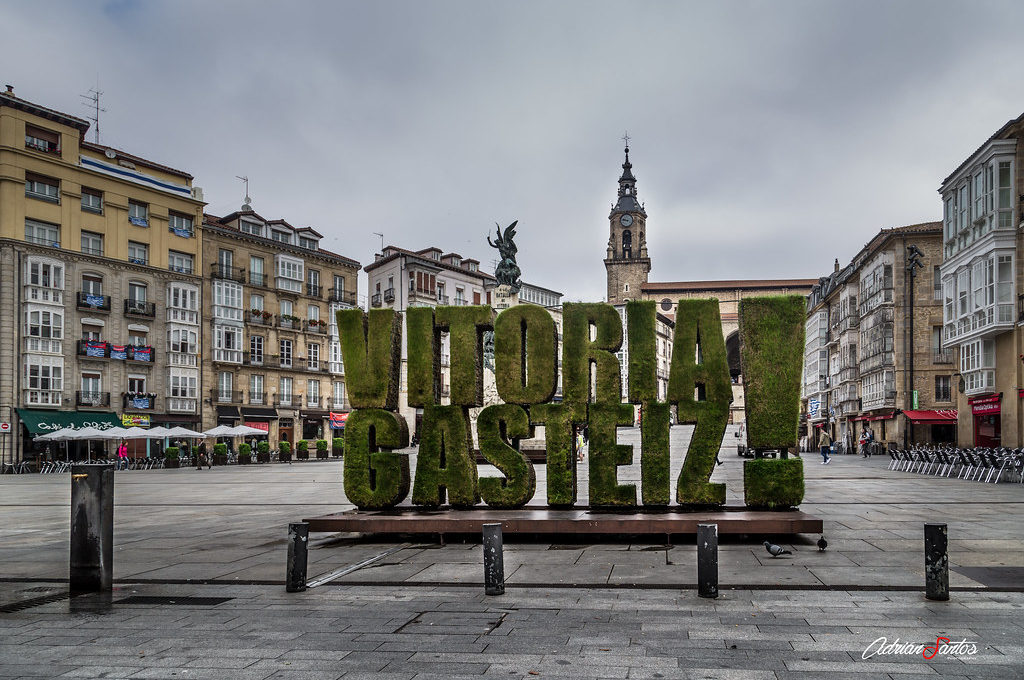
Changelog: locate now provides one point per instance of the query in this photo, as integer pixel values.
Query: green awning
(41, 422)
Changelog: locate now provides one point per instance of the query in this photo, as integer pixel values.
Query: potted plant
(302, 450)
(286, 451)
(220, 454)
(321, 449)
(338, 447)
(262, 452)
(171, 459)
(244, 454)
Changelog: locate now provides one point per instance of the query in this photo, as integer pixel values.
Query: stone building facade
(99, 284)
(273, 360)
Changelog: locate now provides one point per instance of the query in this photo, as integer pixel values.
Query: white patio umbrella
(63, 434)
(158, 432)
(88, 434)
(115, 433)
(244, 430)
(185, 433)
(219, 431)
(136, 433)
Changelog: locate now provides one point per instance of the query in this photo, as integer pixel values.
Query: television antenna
(377, 233)
(247, 203)
(92, 100)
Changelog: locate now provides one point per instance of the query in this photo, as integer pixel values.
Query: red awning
(944, 417)
(874, 416)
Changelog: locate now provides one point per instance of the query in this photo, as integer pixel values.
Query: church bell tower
(627, 263)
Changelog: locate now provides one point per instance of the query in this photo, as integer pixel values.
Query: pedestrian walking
(867, 436)
(122, 455)
(826, 444)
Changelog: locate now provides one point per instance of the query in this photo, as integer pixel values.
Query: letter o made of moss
(376, 479)
(528, 377)
(497, 426)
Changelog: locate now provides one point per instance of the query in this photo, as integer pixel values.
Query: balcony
(141, 353)
(253, 359)
(314, 290)
(340, 405)
(376, 300)
(288, 322)
(287, 401)
(43, 145)
(943, 356)
(442, 299)
(259, 279)
(316, 326)
(140, 308)
(223, 271)
(43, 397)
(314, 401)
(138, 401)
(99, 303)
(257, 398)
(341, 295)
(92, 399)
(259, 318)
(219, 396)
(94, 349)
(389, 295)
(180, 268)
(282, 362)
(180, 404)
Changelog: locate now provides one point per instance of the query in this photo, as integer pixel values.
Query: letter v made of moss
(376, 479)
(371, 348)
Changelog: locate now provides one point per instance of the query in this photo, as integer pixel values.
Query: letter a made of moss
(578, 351)
(525, 355)
(423, 349)
(500, 427)
(466, 327)
(772, 351)
(371, 348)
(700, 369)
(560, 442)
(376, 479)
(606, 455)
(445, 462)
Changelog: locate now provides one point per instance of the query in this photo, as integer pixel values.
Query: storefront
(227, 415)
(259, 418)
(313, 425)
(987, 415)
(940, 425)
(879, 424)
(37, 422)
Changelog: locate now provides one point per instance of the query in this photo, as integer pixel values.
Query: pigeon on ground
(775, 550)
(822, 544)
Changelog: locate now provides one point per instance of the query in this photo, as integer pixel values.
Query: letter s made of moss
(500, 427)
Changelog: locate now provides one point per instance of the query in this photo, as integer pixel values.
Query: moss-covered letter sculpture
(371, 347)
(445, 462)
(500, 427)
(525, 355)
(376, 478)
(642, 335)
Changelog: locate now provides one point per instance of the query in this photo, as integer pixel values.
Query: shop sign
(258, 425)
(135, 420)
(986, 405)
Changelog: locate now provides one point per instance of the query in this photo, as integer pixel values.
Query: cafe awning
(875, 416)
(258, 412)
(227, 411)
(944, 417)
(39, 422)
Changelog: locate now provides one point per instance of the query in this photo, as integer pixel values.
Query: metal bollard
(298, 552)
(494, 562)
(936, 562)
(92, 528)
(707, 560)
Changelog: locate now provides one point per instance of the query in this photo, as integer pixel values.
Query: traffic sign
(5, 428)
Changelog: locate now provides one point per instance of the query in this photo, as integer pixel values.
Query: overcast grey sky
(767, 137)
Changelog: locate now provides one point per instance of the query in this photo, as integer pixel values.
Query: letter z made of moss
(500, 427)
(525, 355)
(371, 348)
(375, 477)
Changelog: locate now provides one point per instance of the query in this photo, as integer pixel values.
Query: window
(313, 278)
(182, 340)
(314, 313)
(137, 384)
(227, 300)
(41, 323)
(92, 244)
(338, 394)
(92, 201)
(313, 354)
(182, 303)
(137, 339)
(91, 332)
(42, 233)
(313, 393)
(280, 236)
(179, 262)
(942, 392)
(285, 391)
(307, 243)
(256, 349)
(256, 302)
(225, 385)
(286, 308)
(138, 253)
(138, 213)
(179, 223)
(41, 139)
(43, 188)
(937, 282)
(256, 394)
(289, 274)
(184, 385)
(286, 354)
(227, 344)
(92, 284)
(256, 272)
(92, 386)
(254, 228)
(44, 379)
(339, 285)
(137, 292)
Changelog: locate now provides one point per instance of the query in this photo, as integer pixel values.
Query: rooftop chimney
(10, 89)
(837, 264)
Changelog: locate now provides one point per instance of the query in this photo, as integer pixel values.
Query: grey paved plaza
(572, 609)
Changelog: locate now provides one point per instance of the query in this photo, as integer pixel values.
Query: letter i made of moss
(525, 355)
(772, 352)
(579, 351)
(500, 427)
(655, 478)
(371, 348)
(642, 336)
(560, 442)
(466, 327)
(423, 345)
(446, 462)
(700, 386)
(376, 477)
(606, 456)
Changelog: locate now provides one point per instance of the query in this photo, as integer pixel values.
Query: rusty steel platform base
(730, 520)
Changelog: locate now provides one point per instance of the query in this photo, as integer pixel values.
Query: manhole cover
(994, 577)
(33, 602)
(175, 601)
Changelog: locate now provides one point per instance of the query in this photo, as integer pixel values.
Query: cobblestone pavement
(451, 633)
(573, 609)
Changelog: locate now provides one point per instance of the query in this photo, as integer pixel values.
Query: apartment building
(273, 359)
(868, 358)
(99, 282)
(980, 278)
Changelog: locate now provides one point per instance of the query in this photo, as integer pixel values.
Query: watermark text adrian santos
(943, 647)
